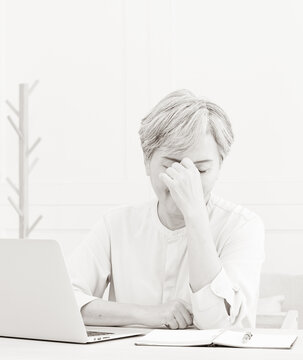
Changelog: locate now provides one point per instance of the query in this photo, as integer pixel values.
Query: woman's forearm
(100, 312)
(201, 250)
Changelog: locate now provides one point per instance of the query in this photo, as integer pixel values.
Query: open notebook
(216, 337)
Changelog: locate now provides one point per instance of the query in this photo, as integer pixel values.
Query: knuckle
(170, 315)
(190, 321)
(171, 318)
(177, 306)
(182, 306)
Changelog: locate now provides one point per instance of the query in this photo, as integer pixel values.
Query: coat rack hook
(13, 185)
(15, 206)
(12, 107)
(31, 89)
(34, 225)
(32, 165)
(33, 146)
(14, 127)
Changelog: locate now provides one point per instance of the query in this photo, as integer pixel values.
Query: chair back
(291, 286)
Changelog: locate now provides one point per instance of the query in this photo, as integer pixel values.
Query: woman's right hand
(176, 314)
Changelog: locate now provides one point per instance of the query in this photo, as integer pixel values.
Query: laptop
(37, 300)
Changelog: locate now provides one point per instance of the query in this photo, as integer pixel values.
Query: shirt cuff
(83, 299)
(212, 293)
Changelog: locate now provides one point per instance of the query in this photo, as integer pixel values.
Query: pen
(247, 336)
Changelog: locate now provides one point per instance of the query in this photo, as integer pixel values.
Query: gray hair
(178, 120)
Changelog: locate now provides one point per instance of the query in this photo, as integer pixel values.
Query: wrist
(143, 314)
(195, 213)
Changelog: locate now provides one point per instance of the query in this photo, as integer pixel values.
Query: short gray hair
(177, 122)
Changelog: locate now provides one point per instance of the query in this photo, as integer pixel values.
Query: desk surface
(123, 349)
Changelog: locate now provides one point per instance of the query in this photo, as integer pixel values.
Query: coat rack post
(24, 153)
(23, 160)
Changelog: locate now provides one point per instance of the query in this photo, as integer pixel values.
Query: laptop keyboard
(96, 333)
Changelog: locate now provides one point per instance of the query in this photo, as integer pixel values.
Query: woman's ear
(147, 166)
(220, 162)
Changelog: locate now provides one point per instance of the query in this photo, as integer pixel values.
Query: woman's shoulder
(237, 225)
(236, 214)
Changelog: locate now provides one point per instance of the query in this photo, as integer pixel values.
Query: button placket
(171, 270)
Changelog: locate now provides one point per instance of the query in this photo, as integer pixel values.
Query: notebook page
(275, 341)
(179, 337)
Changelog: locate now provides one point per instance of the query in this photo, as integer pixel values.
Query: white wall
(103, 64)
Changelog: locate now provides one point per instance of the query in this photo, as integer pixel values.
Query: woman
(186, 257)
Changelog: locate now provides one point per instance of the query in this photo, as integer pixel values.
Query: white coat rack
(24, 154)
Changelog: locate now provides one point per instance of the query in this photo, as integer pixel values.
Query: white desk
(124, 349)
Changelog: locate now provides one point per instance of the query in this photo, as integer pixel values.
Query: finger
(187, 305)
(168, 181)
(238, 310)
(182, 324)
(186, 315)
(178, 167)
(173, 324)
(187, 163)
(173, 173)
(234, 310)
(236, 319)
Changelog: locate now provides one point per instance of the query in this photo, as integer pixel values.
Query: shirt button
(236, 287)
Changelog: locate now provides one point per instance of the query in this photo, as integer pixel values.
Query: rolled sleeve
(208, 303)
(237, 282)
(82, 298)
(89, 265)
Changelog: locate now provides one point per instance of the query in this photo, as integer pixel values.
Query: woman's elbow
(211, 319)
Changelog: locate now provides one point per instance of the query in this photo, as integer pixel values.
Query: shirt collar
(177, 232)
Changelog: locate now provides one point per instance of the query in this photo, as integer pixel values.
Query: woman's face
(204, 155)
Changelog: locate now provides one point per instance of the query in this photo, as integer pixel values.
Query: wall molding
(115, 193)
(74, 216)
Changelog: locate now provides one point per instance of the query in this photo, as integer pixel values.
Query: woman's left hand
(184, 183)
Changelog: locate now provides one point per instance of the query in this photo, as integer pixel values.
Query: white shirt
(146, 263)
